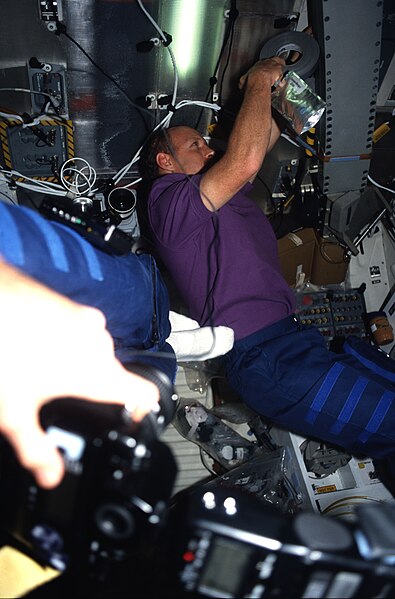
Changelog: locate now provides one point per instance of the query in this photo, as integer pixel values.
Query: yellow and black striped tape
(310, 139)
(5, 146)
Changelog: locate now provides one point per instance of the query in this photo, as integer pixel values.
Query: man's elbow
(252, 165)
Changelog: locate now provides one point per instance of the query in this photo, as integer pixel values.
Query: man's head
(174, 150)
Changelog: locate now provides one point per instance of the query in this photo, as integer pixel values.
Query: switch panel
(50, 80)
(36, 151)
(334, 313)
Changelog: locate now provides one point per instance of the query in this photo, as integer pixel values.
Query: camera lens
(122, 201)
(114, 521)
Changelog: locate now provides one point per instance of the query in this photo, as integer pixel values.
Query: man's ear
(165, 161)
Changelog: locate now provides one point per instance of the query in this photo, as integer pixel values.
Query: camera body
(233, 545)
(106, 237)
(118, 479)
(111, 520)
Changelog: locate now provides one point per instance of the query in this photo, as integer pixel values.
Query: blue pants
(286, 373)
(127, 289)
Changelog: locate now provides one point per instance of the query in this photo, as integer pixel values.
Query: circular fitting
(294, 41)
(122, 200)
(85, 204)
(114, 521)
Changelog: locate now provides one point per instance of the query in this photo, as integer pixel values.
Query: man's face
(190, 152)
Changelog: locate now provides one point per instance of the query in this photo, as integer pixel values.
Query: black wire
(265, 185)
(62, 30)
(276, 229)
(102, 71)
(228, 58)
(233, 14)
(209, 306)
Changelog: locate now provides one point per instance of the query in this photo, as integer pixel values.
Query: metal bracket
(50, 12)
(154, 98)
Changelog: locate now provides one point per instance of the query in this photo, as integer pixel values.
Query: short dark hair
(156, 142)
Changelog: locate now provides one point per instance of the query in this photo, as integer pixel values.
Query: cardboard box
(330, 263)
(296, 252)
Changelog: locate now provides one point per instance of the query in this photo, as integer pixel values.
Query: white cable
(77, 187)
(33, 188)
(76, 184)
(122, 172)
(133, 182)
(381, 186)
(165, 122)
(53, 100)
(164, 39)
(175, 86)
(13, 117)
(38, 182)
(36, 120)
(10, 117)
(72, 168)
(33, 184)
(152, 21)
(291, 141)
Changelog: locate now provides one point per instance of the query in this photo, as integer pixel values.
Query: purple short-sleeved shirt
(225, 263)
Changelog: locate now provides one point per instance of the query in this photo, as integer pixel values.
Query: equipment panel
(334, 313)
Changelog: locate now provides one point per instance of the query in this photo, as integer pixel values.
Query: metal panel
(349, 35)
(23, 36)
(109, 127)
(256, 23)
(197, 28)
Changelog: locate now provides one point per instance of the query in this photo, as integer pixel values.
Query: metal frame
(349, 35)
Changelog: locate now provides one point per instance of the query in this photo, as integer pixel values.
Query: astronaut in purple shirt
(186, 231)
(221, 253)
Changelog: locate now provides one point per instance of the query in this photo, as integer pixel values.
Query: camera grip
(167, 396)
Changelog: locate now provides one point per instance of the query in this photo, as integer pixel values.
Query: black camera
(106, 237)
(113, 529)
(232, 545)
(118, 480)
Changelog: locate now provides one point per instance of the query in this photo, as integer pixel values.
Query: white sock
(201, 343)
(179, 322)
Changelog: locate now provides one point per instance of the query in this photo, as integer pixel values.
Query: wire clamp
(166, 42)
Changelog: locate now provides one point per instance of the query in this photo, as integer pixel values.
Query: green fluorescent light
(187, 29)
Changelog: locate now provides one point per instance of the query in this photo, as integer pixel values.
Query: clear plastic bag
(200, 425)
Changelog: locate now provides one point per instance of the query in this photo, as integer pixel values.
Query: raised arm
(253, 135)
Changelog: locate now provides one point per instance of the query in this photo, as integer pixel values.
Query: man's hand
(253, 135)
(53, 347)
(271, 69)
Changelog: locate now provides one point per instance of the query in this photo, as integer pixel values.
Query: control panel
(36, 151)
(334, 313)
(48, 84)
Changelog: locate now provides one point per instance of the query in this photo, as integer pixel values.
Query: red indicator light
(188, 556)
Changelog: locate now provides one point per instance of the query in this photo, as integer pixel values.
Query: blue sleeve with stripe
(127, 289)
